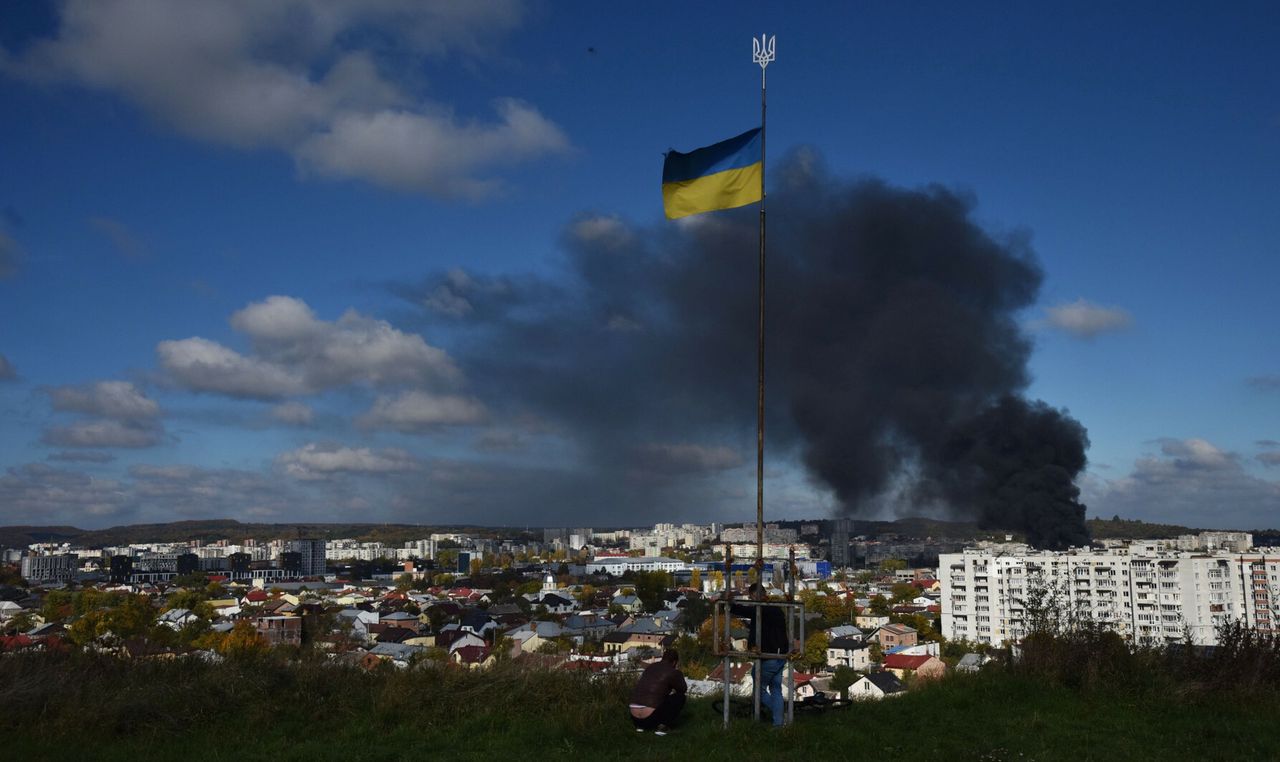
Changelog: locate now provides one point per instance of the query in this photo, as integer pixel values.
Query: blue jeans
(771, 687)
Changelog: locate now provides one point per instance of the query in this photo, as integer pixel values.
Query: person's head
(756, 591)
(670, 657)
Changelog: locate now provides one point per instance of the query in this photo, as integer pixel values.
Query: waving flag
(721, 176)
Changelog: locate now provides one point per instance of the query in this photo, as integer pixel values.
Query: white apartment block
(1143, 592)
(670, 536)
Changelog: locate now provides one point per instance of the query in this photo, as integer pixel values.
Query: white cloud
(104, 433)
(119, 400)
(37, 492)
(296, 353)
(417, 411)
(316, 461)
(430, 153)
(293, 413)
(207, 366)
(1086, 320)
(332, 83)
(1191, 482)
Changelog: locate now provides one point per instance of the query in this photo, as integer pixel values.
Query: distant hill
(210, 530)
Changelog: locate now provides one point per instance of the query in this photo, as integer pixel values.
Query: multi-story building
(1145, 593)
(312, 556)
(50, 568)
(840, 529)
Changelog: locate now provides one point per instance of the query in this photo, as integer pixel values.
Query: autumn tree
(243, 640)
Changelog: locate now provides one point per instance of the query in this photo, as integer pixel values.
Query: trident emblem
(764, 50)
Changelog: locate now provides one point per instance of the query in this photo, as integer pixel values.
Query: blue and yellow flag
(720, 176)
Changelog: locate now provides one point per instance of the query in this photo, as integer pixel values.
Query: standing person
(773, 641)
(659, 695)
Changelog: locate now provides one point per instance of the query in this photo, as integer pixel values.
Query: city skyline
(294, 265)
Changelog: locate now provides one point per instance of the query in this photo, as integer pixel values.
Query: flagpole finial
(764, 49)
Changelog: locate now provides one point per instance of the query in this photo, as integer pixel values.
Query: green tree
(842, 679)
(879, 606)
(404, 582)
(877, 653)
(893, 564)
(814, 655)
(56, 606)
(903, 591)
(651, 587)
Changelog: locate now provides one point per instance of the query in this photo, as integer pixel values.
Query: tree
(842, 679)
(586, 594)
(893, 564)
(903, 591)
(876, 653)
(404, 582)
(243, 640)
(879, 606)
(695, 579)
(814, 654)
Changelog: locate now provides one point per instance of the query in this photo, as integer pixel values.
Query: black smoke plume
(896, 363)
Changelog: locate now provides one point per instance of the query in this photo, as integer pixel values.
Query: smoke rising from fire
(896, 365)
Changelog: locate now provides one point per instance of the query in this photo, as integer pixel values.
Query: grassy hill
(108, 709)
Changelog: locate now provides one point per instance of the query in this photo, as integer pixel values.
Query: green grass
(104, 709)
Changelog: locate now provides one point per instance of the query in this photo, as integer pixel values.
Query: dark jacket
(773, 627)
(656, 682)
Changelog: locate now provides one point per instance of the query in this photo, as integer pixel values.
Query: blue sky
(169, 169)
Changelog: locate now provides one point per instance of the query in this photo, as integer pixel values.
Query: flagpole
(763, 52)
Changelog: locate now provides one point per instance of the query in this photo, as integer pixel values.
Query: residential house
(924, 667)
(876, 685)
(177, 618)
(472, 657)
(854, 653)
(894, 635)
(279, 630)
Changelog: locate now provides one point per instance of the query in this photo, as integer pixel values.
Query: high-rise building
(1143, 592)
(312, 556)
(840, 529)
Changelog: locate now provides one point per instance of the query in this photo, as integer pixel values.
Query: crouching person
(659, 695)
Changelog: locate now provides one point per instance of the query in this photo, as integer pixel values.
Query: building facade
(1144, 592)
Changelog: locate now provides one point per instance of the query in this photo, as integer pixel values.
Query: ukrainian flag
(721, 176)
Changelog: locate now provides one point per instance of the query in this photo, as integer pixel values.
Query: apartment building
(1143, 592)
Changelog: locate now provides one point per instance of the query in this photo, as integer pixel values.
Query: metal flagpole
(763, 52)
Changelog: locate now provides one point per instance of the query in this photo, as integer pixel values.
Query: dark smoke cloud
(896, 363)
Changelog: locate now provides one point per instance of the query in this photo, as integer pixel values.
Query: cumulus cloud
(121, 415)
(1269, 458)
(120, 400)
(104, 433)
(36, 492)
(88, 456)
(294, 353)
(682, 458)
(325, 82)
(126, 243)
(1086, 320)
(322, 461)
(293, 413)
(10, 256)
(1190, 481)
(7, 371)
(417, 411)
